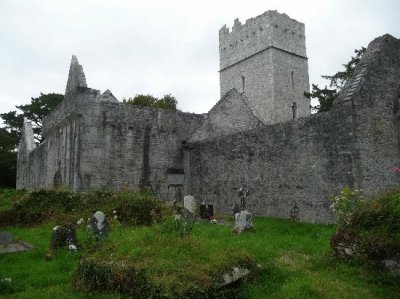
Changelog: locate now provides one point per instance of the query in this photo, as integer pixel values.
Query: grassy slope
(296, 257)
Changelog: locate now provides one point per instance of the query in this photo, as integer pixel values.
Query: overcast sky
(160, 47)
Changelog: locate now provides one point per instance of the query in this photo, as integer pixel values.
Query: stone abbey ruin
(260, 133)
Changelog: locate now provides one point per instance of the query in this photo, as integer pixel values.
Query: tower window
(292, 78)
(294, 109)
(243, 83)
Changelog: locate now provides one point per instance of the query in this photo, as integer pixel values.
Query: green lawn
(295, 257)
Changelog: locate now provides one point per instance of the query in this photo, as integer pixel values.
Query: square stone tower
(265, 58)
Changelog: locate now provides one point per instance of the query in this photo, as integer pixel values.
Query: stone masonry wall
(125, 145)
(290, 82)
(374, 94)
(114, 145)
(304, 160)
(231, 114)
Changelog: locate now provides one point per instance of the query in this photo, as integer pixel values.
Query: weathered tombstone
(64, 235)
(99, 225)
(243, 222)
(5, 238)
(243, 219)
(7, 245)
(206, 211)
(189, 206)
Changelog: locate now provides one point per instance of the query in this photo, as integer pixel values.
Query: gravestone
(99, 225)
(189, 206)
(243, 222)
(5, 238)
(64, 235)
(7, 245)
(206, 211)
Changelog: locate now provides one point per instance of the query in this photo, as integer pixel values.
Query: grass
(295, 257)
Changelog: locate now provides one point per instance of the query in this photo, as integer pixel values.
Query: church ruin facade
(259, 134)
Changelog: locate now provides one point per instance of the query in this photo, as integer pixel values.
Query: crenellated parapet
(271, 29)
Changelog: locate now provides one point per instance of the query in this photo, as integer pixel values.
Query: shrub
(172, 268)
(108, 277)
(63, 206)
(176, 226)
(41, 205)
(138, 208)
(369, 228)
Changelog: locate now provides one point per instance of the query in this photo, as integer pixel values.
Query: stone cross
(243, 192)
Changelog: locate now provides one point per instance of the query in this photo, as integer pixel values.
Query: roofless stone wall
(308, 159)
(93, 141)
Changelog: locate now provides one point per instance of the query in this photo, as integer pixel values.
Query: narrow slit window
(294, 109)
(292, 78)
(243, 83)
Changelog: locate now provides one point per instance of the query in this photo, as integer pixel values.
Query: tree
(327, 96)
(8, 159)
(166, 102)
(10, 133)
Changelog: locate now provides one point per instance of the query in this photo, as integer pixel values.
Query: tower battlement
(271, 29)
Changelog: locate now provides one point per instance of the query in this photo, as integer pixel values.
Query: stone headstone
(189, 206)
(5, 238)
(206, 211)
(63, 235)
(15, 246)
(7, 245)
(99, 225)
(243, 222)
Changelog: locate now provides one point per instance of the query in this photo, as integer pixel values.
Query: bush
(161, 272)
(369, 229)
(138, 208)
(176, 226)
(106, 277)
(63, 206)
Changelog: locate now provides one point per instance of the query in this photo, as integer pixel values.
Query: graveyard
(152, 252)
(258, 198)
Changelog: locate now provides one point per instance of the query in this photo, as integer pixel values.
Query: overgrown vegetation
(369, 228)
(160, 266)
(36, 207)
(168, 101)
